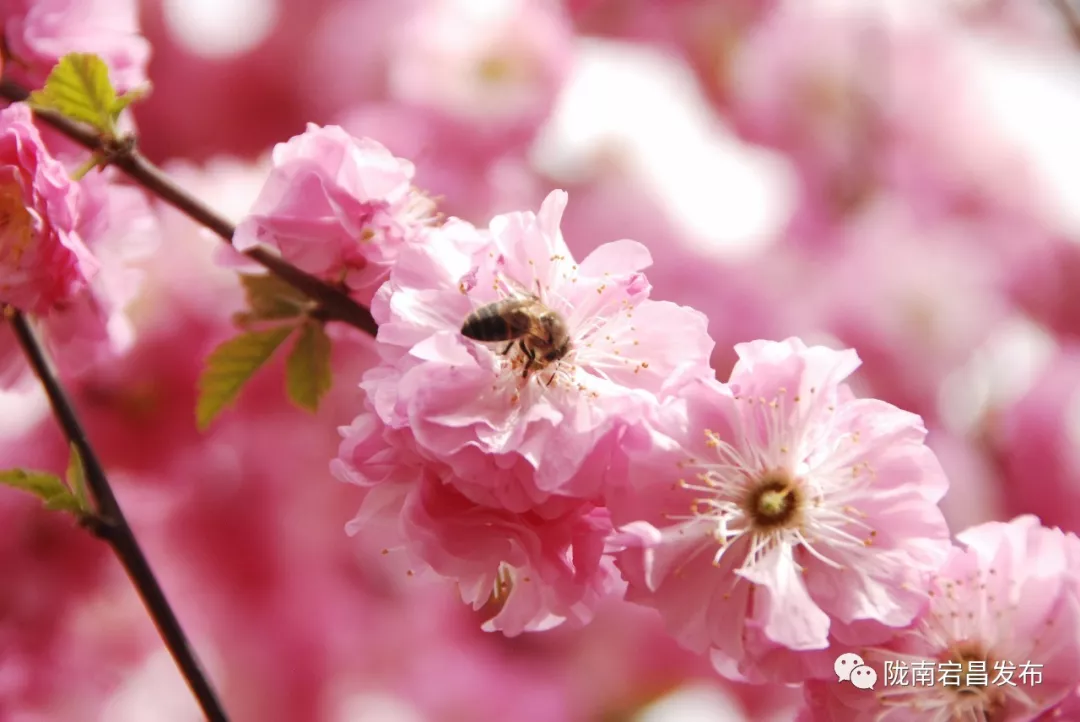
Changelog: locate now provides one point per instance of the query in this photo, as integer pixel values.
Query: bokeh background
(898, 177)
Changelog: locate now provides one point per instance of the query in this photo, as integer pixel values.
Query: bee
(540, 332)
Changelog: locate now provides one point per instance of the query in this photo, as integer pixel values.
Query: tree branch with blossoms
(106, 520)
(334, 304)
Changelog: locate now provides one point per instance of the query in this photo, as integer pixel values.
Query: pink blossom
(1003, 604)
(338, 207)
(119, 227)
(942, 143)
(92, 325)
(1066, 709)
(472, 172)
(614, 202)
(809, 99)
(524, 571)
(1033, 442)
(1045, 282)
(40, 32)
(636, 20)
(711, 36)
(975, 493)
(863, 100)
(44, 259)
(764, 515)
(629, 660)
(495, 65)
(471, 405)
(898, 283)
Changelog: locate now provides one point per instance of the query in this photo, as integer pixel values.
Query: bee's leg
(531, 356)
(551, 380)
(508, 347)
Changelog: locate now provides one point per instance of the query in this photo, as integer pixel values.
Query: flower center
(504, 583)
(774, 502)
(505, 578)
(16, 224)
(500, 69)
(972, 683)
(973, 662)
(760, 489)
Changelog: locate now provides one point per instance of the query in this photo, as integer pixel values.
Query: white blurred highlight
(377, 708)
(22, 408)
(998, 374)
(1033, 97)
(220, 29)
(692, 704)
(157, 686)
(729, 197)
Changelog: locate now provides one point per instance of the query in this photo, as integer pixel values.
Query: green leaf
(230, 366)
(307, 369)
(269, 298)
(132, 96)
(95, 161)
(79, 88)
(76, 479)
(47, 487)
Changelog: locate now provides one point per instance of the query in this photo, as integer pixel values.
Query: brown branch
(336, 305)
(1071, 16)
(110, 525)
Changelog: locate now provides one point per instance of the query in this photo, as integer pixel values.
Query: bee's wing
(513, 287)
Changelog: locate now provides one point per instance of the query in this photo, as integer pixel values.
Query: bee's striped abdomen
(486, 325)
(500, 321)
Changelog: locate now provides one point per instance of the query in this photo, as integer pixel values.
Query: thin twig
(336, 304)
(111, 524)
(1071, 16)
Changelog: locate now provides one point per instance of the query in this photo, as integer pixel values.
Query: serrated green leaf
(76, 479)
(79, 88)
(47, 487)
(270, 298)
(307, 369)
(132, 96)
(230, 366)
(96, 160)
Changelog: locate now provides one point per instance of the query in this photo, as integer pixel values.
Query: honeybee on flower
(591, 352)
(524, 320)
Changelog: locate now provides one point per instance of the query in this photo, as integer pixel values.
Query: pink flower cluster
(65, 249)
(544, 434)
(494, 456)
(45, 260)
(337, 207)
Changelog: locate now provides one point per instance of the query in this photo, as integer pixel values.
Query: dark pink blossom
(44, 258)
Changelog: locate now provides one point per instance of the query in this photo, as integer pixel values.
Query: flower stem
(336, 304)
(110, 524)
(1071, 16)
